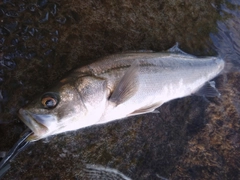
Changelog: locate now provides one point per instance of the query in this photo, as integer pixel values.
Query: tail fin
(231, 66)
(227, 40)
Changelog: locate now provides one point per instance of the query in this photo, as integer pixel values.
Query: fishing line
(20, 145)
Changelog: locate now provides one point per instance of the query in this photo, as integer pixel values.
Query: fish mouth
(38, 129)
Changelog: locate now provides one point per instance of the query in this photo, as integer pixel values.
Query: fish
(119, 86)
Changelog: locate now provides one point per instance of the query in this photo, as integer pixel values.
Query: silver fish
(119, 86)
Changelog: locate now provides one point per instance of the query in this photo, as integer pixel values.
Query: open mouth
(39, 130)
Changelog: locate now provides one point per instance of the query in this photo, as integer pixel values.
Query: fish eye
(49, 101)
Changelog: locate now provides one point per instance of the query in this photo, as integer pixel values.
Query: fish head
(53, 112)
(68, 106)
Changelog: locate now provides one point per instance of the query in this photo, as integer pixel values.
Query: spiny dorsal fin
(208, 90)
(127, 86)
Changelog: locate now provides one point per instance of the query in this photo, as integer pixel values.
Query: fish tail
(231, 66)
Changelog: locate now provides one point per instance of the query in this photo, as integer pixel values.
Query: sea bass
(119, 86)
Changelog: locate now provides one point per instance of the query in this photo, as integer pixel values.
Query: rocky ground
(191, 138)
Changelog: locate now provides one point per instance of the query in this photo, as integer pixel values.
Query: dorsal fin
(175, 49)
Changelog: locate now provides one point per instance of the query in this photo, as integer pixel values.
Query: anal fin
(208, 90)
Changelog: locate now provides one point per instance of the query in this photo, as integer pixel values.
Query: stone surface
(191, 138)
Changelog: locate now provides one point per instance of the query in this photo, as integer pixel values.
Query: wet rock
(24, 29)
(14, 41)
(22, 7)
(1, 80)
(28, 20)
(25, 38)
(2, 40)
(8, 56)
(43, 45)
(1, 11)
(61, 19)
(42, 34)
(11, 13)
(48, 52)
(74, 15)
(31, 31)
(3, 95)
(9, 63)
(1, 76)
(8, 1)
(42, 3)
(55, 33)
(30, 55)
(44, 17)
(32, 7)
(55, 39)
(18, 53)
(11, 26)
(53, 9)
(4, 32)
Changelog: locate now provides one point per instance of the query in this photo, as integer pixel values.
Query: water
(191, 138)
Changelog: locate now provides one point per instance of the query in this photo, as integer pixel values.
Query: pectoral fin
(127, 86)
(208, 90)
